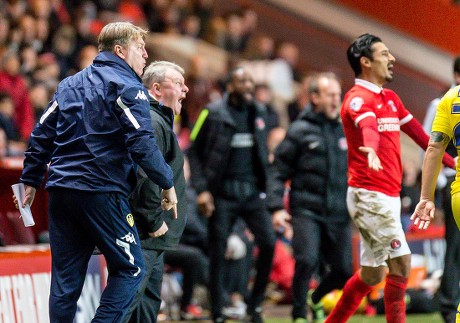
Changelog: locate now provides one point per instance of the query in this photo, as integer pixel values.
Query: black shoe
(448, 316)
(255, 315)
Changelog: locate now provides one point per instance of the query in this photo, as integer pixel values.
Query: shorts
(378, 219)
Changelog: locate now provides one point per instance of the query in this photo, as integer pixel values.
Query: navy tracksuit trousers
(79, 221)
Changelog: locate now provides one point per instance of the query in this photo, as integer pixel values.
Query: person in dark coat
(313, 156)
(228, 161)
(158, 229)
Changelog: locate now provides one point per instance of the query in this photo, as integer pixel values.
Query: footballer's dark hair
(361, 46)
(457, 65)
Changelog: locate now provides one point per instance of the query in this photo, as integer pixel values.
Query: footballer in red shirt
(373, 118)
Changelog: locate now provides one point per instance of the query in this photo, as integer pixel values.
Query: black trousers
(146, 303)
(234, 281)
(449, 291)
(316, 243)
(252, 209)
(194, 264)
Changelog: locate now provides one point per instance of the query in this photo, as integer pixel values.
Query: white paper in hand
(26, 213)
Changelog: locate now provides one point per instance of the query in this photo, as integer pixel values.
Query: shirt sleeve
(441, 120)
(160, 136)
(146, 202)
(363, 116)
(139, 137)
(359, 110)
(283, 166)
(41, 146)
(404, 115)
(146, 197)
(198, 138)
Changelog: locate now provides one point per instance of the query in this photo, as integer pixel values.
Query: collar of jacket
(165, 112)
(228, 116)
(109, 58)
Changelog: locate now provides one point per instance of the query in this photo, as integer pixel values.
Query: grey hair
(156, 72)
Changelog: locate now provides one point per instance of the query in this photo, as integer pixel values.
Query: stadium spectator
(202, 90)
(63, 46)
(4, 152)
(233, 39)
(86, 56)
(39, 98)
(6, 116)
(301, 99)
(264, 95)
(11, 143)
(13, 83)
(289, 52)
(29, 62)
(261, 47)
(191, 26)
(4, 30)
(47, 71)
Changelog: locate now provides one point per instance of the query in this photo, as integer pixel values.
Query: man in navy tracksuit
(95, 128)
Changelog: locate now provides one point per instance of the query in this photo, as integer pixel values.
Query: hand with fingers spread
(372, 158)
(169, 200)
(423, 214)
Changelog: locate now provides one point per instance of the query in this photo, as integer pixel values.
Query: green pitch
(411, 318)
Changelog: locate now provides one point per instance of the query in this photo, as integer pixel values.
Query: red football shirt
(384, 107)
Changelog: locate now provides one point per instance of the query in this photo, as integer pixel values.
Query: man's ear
(457, 78)
(314, 96)
(229, 87)
(156, 89)
(365, 61)
(118, 50)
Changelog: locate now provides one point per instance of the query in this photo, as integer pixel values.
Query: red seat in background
(11, 226)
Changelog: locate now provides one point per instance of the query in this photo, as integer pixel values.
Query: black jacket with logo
(146, 197)
(210, 149)
(314, 157)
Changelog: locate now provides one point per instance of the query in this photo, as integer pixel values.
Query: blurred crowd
(43, 41)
